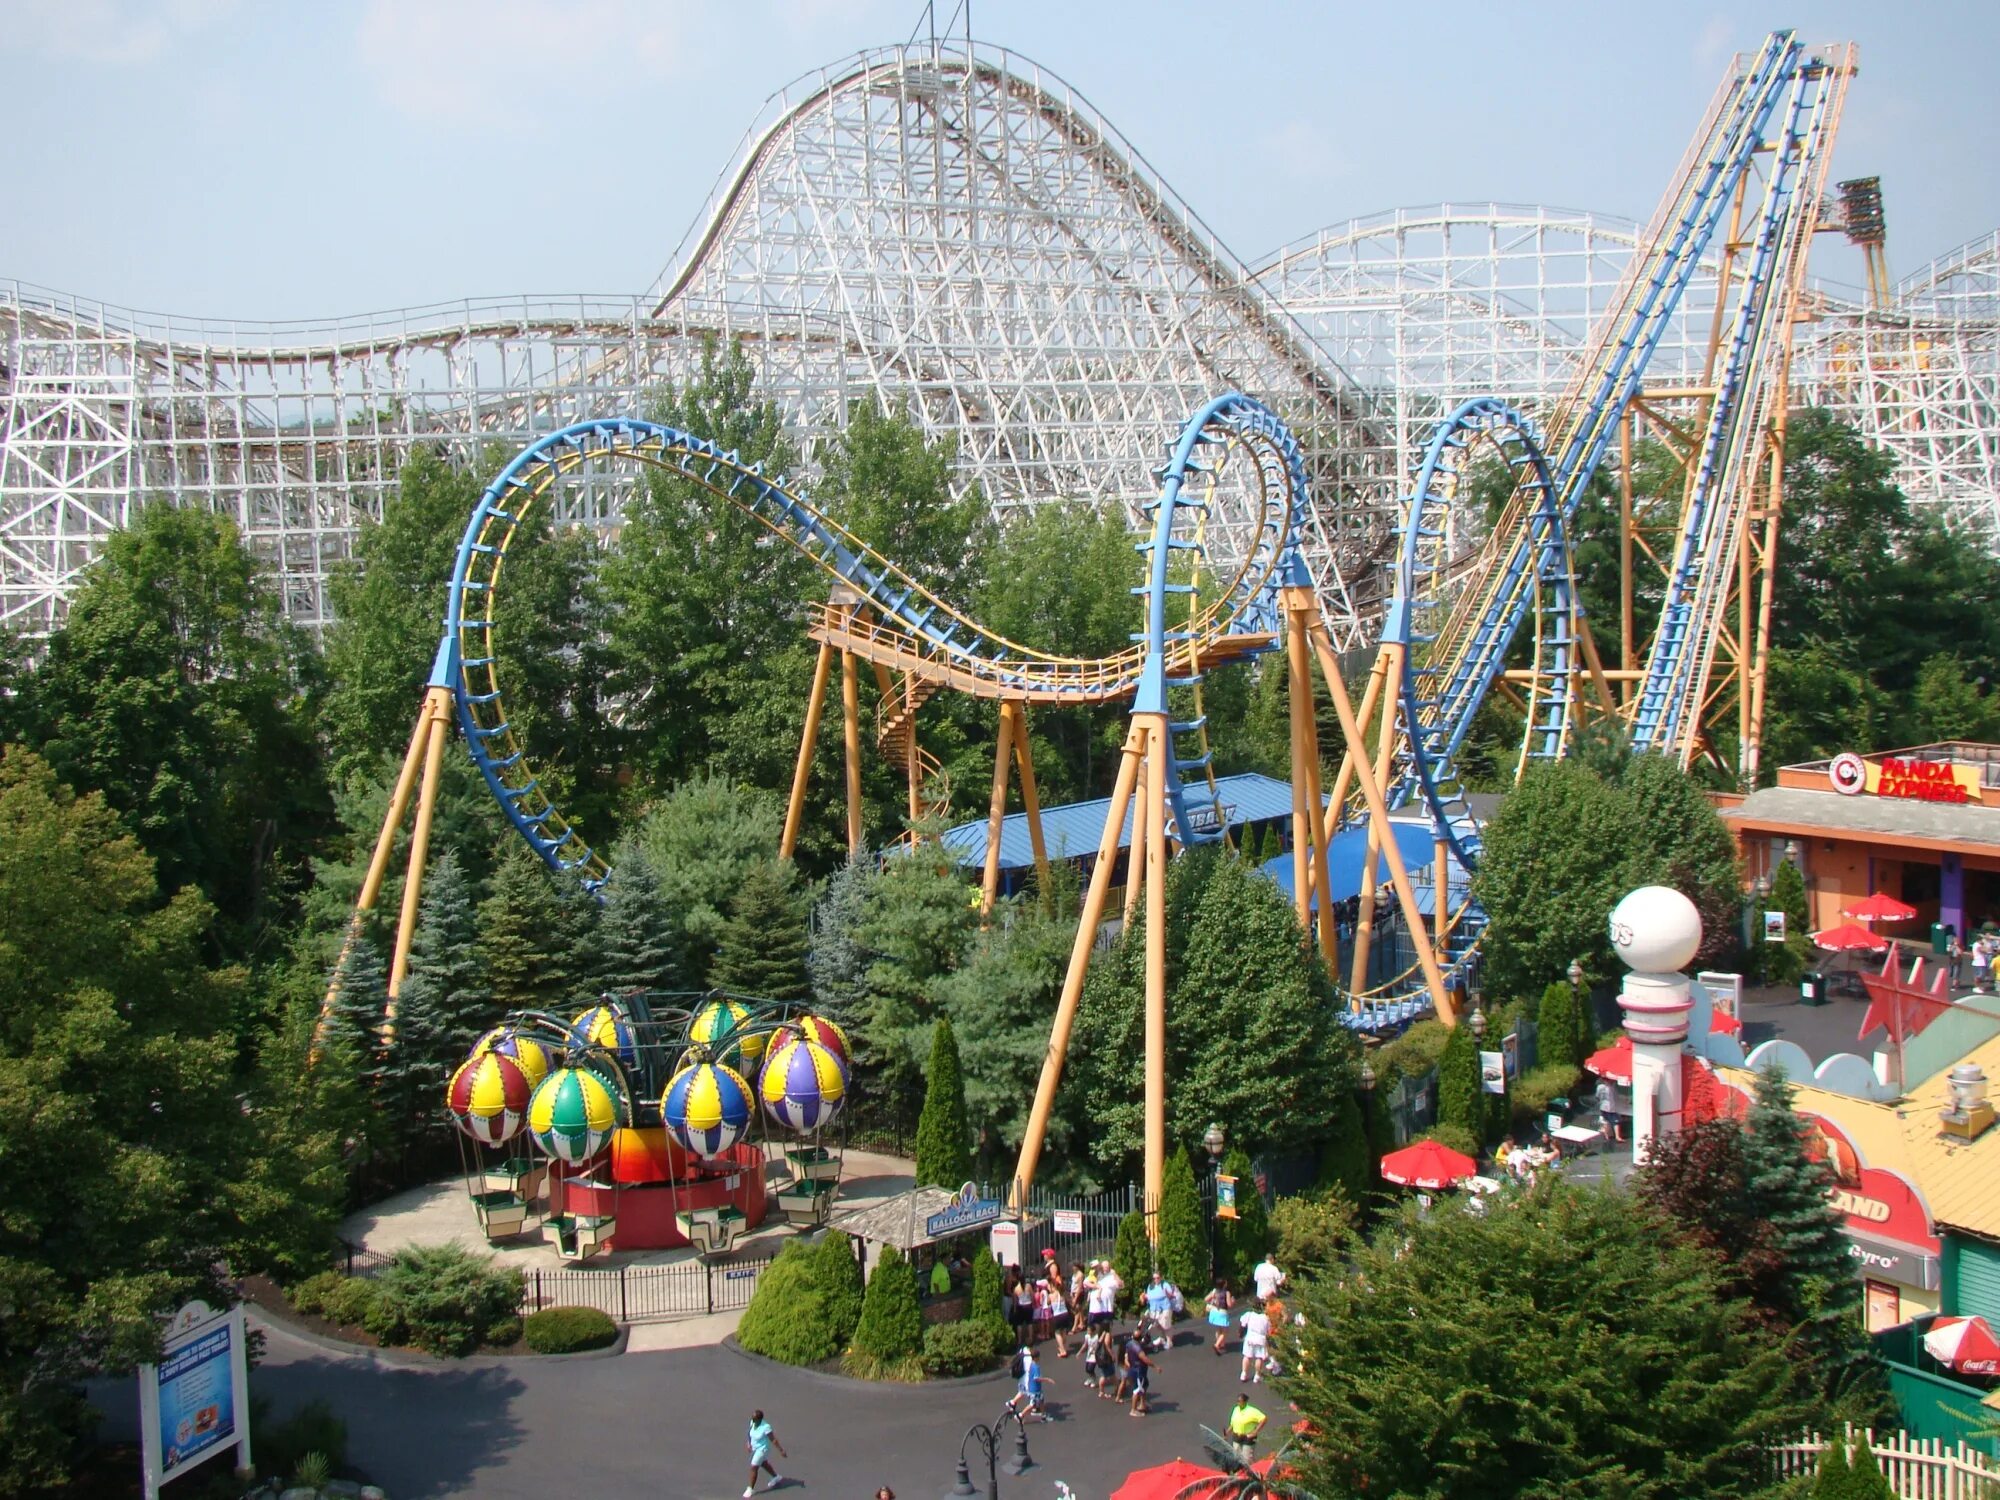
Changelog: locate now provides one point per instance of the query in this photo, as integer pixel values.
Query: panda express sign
(1923, 780)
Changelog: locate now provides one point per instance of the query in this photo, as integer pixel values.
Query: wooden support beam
(996, 810)
(850, 712)
(802, 772)
(1031, 801)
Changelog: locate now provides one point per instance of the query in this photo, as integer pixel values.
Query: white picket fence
(1916, 1468)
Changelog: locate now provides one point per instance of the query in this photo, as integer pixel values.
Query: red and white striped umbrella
(1880, 908)
(1965, 1345)
(1427, 1165)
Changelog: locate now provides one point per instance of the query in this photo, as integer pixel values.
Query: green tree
(788, 1318)
(1346, 1161)
(1459, 1101)
(985, 1308)
(1865, 1478)
(1313, 1232)
(117, 1069)
(1821, 1297)
(525, 927)
(1244, 1240)
(761, 948)
(704, 839)
(1691, 848)
(944, 1154)
(891, 488)
(1439, 1370)
(837, 1273)
(1132, 1257)
(1784, 963)
(1834, 1480)
(1559, 1036)
(917, 927)
(1184, 1255)
(176, 689)
(1819, 704)
(892, 1324)
(1948, 704)
(1557, 857)
(638, 942)
(835, 959)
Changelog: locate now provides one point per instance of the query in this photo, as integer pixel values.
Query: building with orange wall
(1922, 825)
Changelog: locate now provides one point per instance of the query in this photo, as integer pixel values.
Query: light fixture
(1576, 974)
(962, 1490)
(1214, 1140)
(1478, 1023)
(1367, 1077)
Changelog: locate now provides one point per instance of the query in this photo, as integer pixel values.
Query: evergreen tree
(704, 839)
(1823, 1296)
(1184, 1256)
(360, 997)
(944, 1153)
(1132, 1257)
(985, 1308)
(836, 961)
(892, 1324)
(637, 949)
(1346, 1162)
(837, 1273)
(761, 948)
(1459, 1101)
(1866, 1480)
(1559, 1027)
(1786, 962)
(1242, 1241)
(524, 922)
(916, 931)
(1835, 1480)
(445, 953)
(415, 1063)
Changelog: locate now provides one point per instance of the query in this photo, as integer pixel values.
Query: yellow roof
(1958, 1179)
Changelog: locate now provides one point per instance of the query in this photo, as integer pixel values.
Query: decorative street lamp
(1478, 1024)
(1576, 973)
(1214, 1140)
(987, 1440)
(1367, 1077)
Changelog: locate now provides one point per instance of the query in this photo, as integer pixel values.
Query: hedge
(444, 1298)
(958, 1349)
(568, 1330)
(788, 1319)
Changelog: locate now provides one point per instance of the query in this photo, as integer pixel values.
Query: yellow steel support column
(996, 811)
(1300, 708)
(1031, 799)
(437, 713)
(1378, 814)
(1154, 813)
(1135, 856)
(1079, 967)
(802, 772)
(1378, 830)
(850, 709)
(1300, 609)
(1370, 695)
(1441, 890)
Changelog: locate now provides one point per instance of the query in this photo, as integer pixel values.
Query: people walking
(762, 1439)
(1138, 1371)
(1057, 1306)
(1218, 1302)
(1267, 1278)
(1245, 1422)
(1028, 1394)
(1256, 1342)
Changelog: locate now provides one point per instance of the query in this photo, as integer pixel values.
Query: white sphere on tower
(1656, 930)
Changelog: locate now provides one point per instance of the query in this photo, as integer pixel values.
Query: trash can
(1812, 988)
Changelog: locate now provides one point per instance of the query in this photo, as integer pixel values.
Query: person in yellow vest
(1245, 1422)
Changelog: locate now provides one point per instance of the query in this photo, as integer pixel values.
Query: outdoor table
(1579, 1136)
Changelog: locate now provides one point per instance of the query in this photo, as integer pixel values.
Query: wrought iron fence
(638, 1294)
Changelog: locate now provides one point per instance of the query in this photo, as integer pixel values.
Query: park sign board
(1900, 777)
(967, 1210)
(195, 1400)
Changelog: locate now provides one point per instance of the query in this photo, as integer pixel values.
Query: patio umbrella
(1965, 1345)
(1613, 1062)
(1880, 908)
(1849, 936)
(1724, 1022)
(1427, 1165)
(1163, 1481)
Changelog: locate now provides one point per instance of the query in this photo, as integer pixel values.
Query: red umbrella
(1966, 1345)
(1163, 1481)
(1849, 935)
(1613, 1062)
(1723, 1021)
(1426, 1165)
(1880, 908)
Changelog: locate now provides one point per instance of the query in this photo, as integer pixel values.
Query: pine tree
(1866, 1480)
(413, 1070)
(1132, 1256)
(837, 1271)
(1243, 1240)
(944, 1148)
(761, 949)
(635, 934)
(892, 1324)
(917, 929)
(1789, 1191)
(1559, 1027)
(445, 953)
(574, 959)
(1346, 1161)
(524, 924)
(360, 998)
(1184, 1256)
(836, 961)
(1458, 1093)
(1835, 1479)
(985, 1308)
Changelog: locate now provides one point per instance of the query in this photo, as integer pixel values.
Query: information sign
(194, 1400)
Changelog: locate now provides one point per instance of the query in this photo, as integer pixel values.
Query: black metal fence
(1077, 1226)
(638, 1294)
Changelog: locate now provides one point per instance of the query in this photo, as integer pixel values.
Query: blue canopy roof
(1072, 831)
(1347, 856)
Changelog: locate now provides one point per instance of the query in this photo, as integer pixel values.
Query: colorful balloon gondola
(488, 1098)
(532, 1056)
(572, 1115)
(803, 1085)
(724, 1026)
(707, 1108)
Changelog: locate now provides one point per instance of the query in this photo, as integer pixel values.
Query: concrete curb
(416, 1359)
(828, 1377)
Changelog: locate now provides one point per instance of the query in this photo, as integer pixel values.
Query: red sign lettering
(1921, 780)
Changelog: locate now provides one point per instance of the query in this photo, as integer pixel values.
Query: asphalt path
(671, 1424)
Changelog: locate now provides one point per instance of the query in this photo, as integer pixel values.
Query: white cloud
(1304, 150)
(119, 32)
(515, 64)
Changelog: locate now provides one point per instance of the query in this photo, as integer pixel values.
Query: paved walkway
(671, 1424)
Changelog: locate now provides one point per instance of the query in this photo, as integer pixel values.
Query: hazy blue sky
(282, 159)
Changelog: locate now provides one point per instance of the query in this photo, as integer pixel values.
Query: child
(1093, 1351)
(1029, 1395)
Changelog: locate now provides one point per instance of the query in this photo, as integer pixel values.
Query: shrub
(1184, 1255)
(1459, 1101)
(310, 1295)
(502, 1331)
(787, 1319)
(985, 1310)
(1242, 1241)
(568, 1330)
(1412, 1054)
(350, 1301)
(1345, 1162)
(1132, 1258)
(312, 1470)
(313, 1428)
(383, 1319)
(446, 1297)
(958, 1349)
(837, 1273)
(1457, 1137)
(1313, 1230)
(892, 1325)
(1534, 1089)
(1561, 1030)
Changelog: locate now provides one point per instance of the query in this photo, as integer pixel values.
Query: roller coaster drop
(1223, 580)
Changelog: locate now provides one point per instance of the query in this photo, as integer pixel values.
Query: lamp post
(1478, 1022)
(987, 1440)
(1216, 1142)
